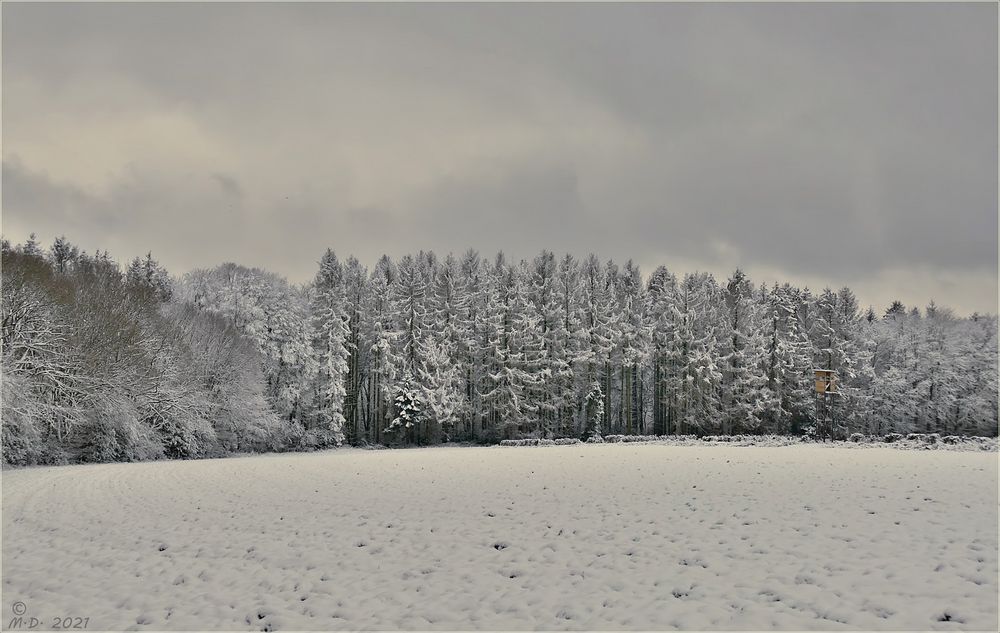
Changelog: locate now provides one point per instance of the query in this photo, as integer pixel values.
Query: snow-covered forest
(105, 363)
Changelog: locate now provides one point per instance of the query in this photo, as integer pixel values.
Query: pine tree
(148, 275)
(787, 364)
(355, 304)
(570, 340)
(31, 247)
(600, 323)
(836, 318)
(331, 331)
(512, 377)
(696, 348)
(380, 339)
(633, 346)
(409, 316)
(444, 361)
(440, 391)
(63, 254)
(661, 298)
(553, 368)
(474, 345)
(529, 357)
(742, 354)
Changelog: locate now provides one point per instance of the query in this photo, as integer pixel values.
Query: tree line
(105, 363)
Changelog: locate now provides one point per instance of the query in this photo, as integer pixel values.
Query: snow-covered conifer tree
(742, 354)
(330, 328)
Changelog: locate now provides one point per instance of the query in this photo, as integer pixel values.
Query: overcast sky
(834, 144)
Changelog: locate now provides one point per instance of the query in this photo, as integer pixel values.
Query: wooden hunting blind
(826, 381)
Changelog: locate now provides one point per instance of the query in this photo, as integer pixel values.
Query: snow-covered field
(644, 536)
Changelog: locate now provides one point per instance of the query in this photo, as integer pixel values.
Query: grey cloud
(839, 142)
(520, 209)
(183, 219)
(32, 199)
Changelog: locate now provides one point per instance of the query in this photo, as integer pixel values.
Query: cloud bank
(835, 144)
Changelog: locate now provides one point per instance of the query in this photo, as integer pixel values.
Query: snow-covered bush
(534, 441)
(113, 432)
(633, 438)
(22, 416)
(316, 439)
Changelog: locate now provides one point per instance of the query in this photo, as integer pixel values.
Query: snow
(587, 536)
